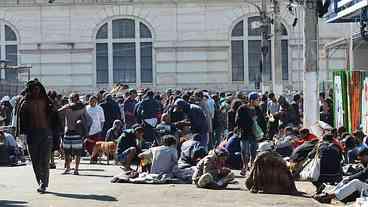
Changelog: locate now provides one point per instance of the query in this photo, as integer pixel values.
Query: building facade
(88, 44)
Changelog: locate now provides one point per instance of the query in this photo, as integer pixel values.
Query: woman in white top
(97, 114)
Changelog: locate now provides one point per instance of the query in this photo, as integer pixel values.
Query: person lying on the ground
(350, 187)
(191, 152)
(115, 132)
(270, 174)
(128, 146)
(163, 158)
(211, 171)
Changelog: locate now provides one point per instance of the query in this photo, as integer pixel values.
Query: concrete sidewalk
(92, 188)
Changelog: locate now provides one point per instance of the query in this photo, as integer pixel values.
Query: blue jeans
(248, 148)
(204, 140)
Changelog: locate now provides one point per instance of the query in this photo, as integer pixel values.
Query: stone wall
(191, 40)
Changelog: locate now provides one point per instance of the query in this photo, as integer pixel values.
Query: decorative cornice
(37, 3)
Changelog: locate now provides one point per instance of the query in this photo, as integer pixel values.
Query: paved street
(92, 188)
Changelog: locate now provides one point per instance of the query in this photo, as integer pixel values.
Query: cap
(265, 146)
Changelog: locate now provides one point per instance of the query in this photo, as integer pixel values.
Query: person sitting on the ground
(114, 133)
(14, 152)
(353, 153)
(211, 171)
(349, 143)
(128, 146)
(284, 145)
(233, 147)
(191, 152)
(299, 156)
(163, 158)
(350, 187)
(166, 127)
(330, 162)
(270, 174)
(305, 136)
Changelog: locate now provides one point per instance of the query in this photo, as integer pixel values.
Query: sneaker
(204, 180)
(66, 171)
(41, 189)
(323, 198)
(321, 188)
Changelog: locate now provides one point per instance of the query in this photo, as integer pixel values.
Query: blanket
(179, 176)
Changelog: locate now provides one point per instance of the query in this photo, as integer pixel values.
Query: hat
(265, 146)
(137, 127)
(253, 96)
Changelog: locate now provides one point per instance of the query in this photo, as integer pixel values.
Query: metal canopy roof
(343, 11)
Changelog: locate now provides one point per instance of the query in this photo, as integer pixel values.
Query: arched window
(124, 52)
(8, 49)
(246, 50)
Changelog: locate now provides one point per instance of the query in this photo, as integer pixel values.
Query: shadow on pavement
(85, 197)
(101, 176)
(95, 170)
(7, 203)
(81, 170)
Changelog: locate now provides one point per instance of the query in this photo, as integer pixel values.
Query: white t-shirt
(98, 117)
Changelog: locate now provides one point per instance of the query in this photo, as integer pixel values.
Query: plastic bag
(312, 170)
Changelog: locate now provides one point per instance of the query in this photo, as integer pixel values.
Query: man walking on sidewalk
(36, 116)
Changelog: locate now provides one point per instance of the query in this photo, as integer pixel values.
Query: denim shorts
(122, 157)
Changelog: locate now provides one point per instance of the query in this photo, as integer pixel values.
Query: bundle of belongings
(11, 153)
(270, 174)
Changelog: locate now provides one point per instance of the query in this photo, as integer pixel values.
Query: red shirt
(308, 138)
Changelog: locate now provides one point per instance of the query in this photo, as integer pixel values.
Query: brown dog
(105, 148)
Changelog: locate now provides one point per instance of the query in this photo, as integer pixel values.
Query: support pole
(311, 46)
(264, 46)
(276, 52)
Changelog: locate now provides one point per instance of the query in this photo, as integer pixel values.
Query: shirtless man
(34, 119)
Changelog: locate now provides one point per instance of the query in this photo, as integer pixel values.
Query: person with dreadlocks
(35, 117)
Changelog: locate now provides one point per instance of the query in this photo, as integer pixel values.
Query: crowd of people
(197, 136)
